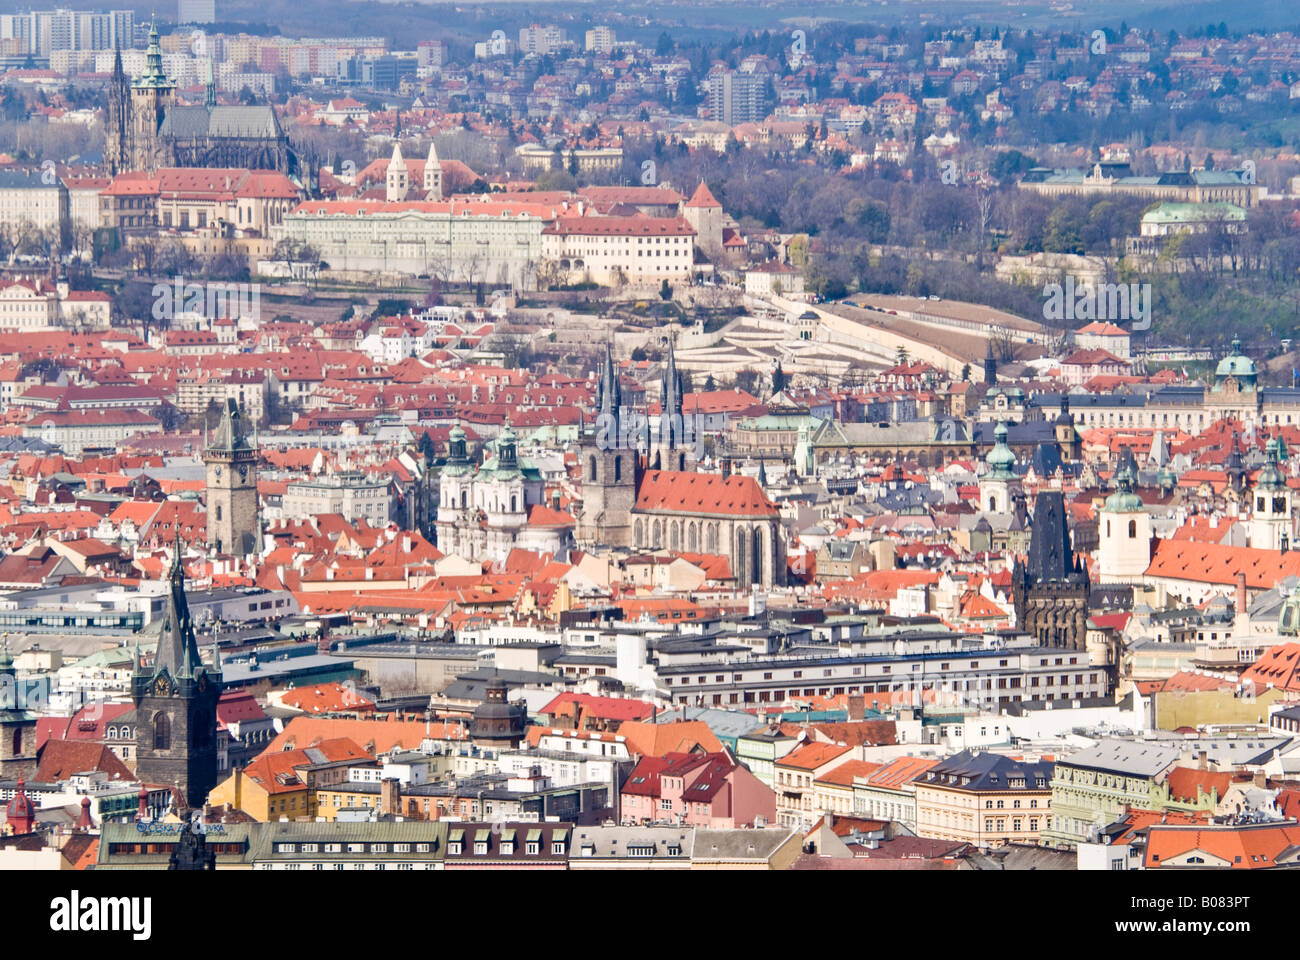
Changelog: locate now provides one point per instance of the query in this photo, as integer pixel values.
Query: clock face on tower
(162, 687)
(217, 473)
(243, 471)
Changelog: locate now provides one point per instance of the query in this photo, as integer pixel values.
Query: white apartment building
(352, 494)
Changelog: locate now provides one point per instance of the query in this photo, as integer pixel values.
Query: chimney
(1260, 779)
(1202, 760)
(1241, 593)
(390, 796)
(857, 706)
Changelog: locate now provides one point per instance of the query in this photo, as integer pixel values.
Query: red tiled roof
(1218, 563)
(702, 493)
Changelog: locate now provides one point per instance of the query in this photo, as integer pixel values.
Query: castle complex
(147, 129)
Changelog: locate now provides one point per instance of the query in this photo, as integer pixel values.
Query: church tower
(176, 703)
(455, 492)
(117, 133)
(233, 526)
(398, 180)
(17, 725)
(670, 448)
(151, 95)
(433, 175)
(1125, 532)
(1050, 588)
(1067, 436)
(610, 465)
(996, 486)
(1270, 523)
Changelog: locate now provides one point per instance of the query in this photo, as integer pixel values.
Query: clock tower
(176, 702)
(233, 526)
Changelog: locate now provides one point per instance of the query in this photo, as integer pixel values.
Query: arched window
(16, 749)
(618, 469)
(591, 468)
(464, 498)
(162, 732)
(992, 503)
(1132, 529)
(218, 511)
(514, 503)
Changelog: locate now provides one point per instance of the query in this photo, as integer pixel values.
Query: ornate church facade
(640, 489)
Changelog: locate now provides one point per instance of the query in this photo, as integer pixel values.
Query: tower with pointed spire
(117, 131)
(231, 462)
(17, 725)
(151, 96)
(433, 174)
(1050, 588)
(176, 701)
(703, 212)
(610, 466)
(670, 449)
(397, 178)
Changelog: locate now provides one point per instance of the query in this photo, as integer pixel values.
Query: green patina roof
(1124, 500)
(1001, 460)
(1236, 364)
(1193, 212)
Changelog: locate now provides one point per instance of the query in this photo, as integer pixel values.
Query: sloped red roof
(703, 493)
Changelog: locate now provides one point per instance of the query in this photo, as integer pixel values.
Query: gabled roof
(668, 491)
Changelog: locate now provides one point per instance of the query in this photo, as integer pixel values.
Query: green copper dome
(1271, 477)
(1237, 365)
(1123, 500)
(1001, 460)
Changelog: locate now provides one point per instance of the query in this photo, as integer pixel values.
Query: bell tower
(1270, 521)
(151, 95)
(233, 526)
(610, 466)
(176, 702)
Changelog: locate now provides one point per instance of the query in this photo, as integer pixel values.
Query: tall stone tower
(233, 526)
(17, 725)
(176, 703)
(433, 174)
(117, 133)
(151, 95)
(397, 180)
(610, 466)
(703, 212)
(1050, 589)
(671, 448)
